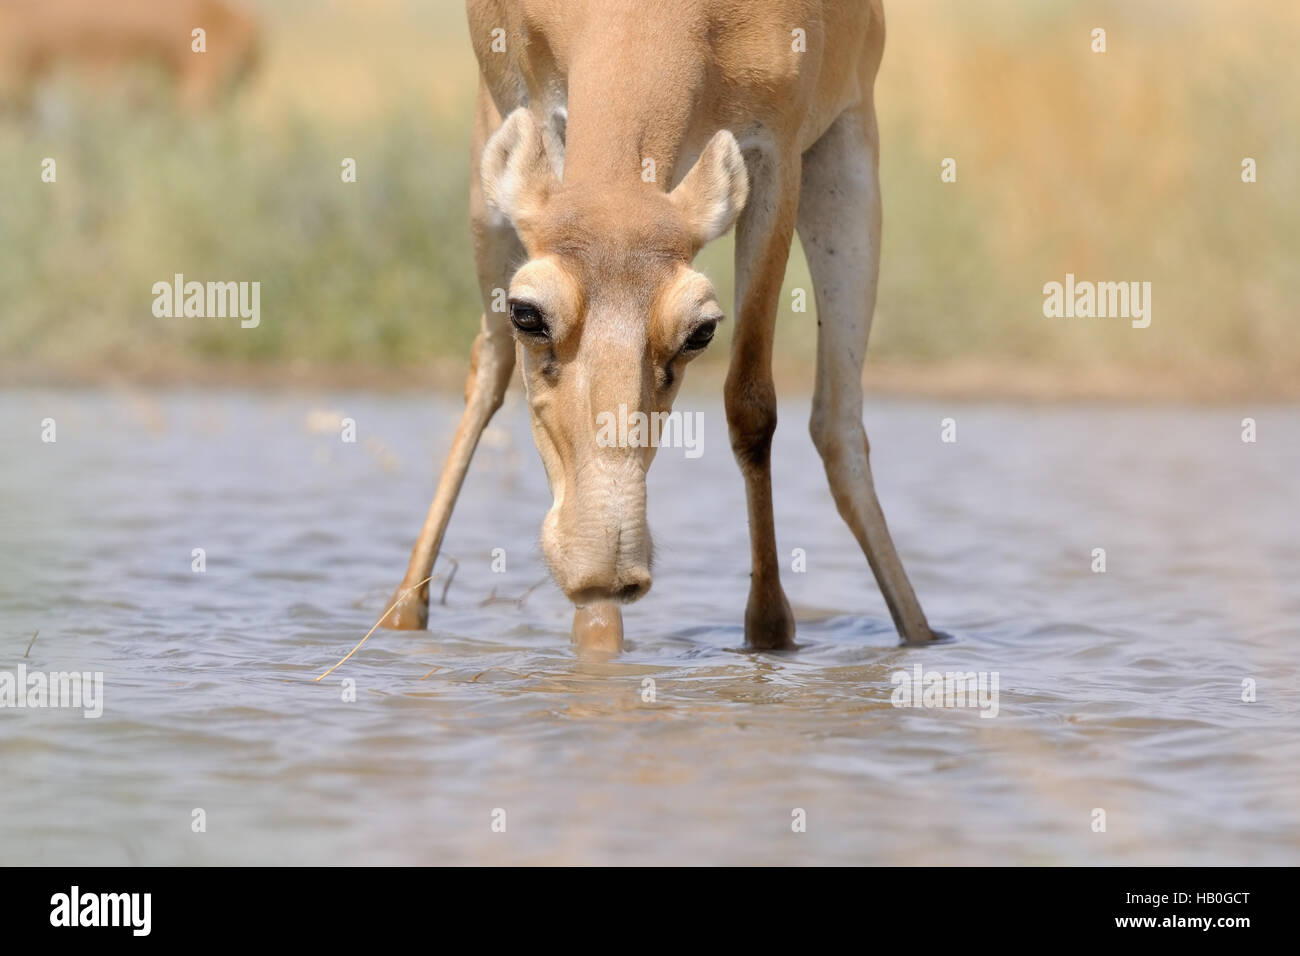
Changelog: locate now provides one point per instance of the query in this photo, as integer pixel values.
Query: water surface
(1120, 691)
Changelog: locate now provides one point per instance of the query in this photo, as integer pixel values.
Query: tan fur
(737, 125)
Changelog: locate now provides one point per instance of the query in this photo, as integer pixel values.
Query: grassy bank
(1118, 166)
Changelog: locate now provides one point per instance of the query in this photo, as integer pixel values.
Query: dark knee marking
(751, 419)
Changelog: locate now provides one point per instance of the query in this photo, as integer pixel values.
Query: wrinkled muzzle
(595, 536)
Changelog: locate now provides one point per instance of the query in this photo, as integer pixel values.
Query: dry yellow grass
(1120, 166)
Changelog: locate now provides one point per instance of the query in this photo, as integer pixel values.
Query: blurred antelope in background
(102, 39)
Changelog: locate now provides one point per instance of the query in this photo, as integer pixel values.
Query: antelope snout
(596, 540)
(624, 585)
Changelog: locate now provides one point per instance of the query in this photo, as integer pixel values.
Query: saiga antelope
(756, 113)
(38, 37)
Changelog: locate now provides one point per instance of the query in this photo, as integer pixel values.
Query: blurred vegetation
(1117, 166)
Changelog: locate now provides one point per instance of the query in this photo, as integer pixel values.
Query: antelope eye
(527, 318)
(701, 337)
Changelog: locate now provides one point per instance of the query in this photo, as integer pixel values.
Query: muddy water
(1119, 691)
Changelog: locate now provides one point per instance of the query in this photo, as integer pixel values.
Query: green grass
(375, 271)
(1124, 166)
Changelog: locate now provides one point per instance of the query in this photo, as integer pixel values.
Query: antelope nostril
(637, 586)
(622, 593)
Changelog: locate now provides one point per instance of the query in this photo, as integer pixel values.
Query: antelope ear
(517, 177)
(714, 191)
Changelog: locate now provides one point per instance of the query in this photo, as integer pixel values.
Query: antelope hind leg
(839, 225)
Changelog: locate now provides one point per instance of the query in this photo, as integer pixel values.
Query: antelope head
(607, 313)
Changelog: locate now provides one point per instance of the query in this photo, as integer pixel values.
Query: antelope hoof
(598, 629)
(410, 610)
(770, 630)
(929, 637)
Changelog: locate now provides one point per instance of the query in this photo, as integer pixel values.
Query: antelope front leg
(497, 252)
(763, 237)
(491, 362)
